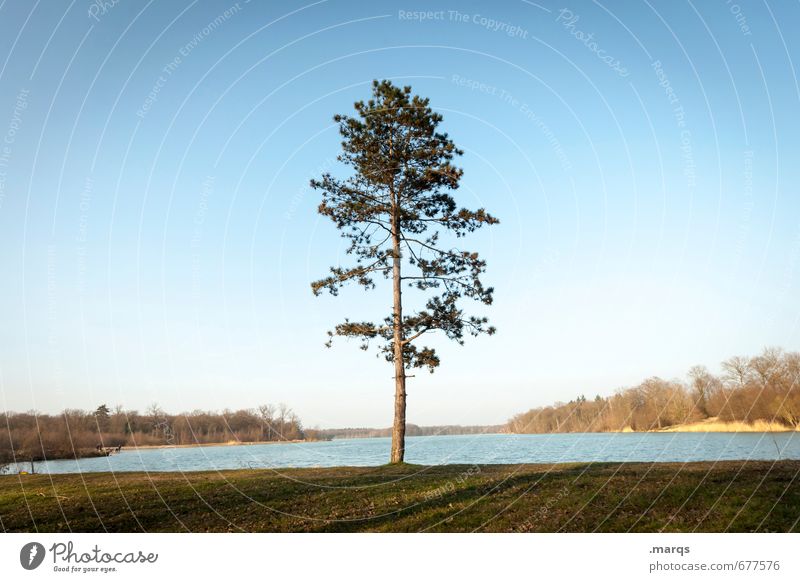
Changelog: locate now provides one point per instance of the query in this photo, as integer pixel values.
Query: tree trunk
(399, 427)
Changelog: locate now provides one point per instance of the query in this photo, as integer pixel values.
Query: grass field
(646, 497)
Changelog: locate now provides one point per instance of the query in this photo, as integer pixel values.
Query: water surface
(437, 450)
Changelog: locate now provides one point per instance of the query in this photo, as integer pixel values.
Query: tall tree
(396, 213)
(102, 417)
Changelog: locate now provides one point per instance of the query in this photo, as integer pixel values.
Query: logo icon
(31, 555)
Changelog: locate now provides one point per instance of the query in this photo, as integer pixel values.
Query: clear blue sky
(158, 237)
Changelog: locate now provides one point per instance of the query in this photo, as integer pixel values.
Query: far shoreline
(710, 425)
(222, 444)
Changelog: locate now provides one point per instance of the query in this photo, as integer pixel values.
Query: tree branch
(408, 340)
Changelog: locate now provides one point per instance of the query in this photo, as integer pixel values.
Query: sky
(158, 235)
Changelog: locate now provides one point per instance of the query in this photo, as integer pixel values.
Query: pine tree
(102, 418)
(396, 213)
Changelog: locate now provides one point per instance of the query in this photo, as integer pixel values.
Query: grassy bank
(727, 496)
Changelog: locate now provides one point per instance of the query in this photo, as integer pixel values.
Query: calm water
(466, 449)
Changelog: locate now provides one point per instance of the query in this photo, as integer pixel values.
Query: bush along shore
(611, 497)
(31, 436)
(759, 393)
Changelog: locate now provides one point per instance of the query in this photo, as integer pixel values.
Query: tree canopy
(393, 209)
(402, 172)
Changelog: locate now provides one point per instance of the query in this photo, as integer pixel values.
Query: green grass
(704, 497)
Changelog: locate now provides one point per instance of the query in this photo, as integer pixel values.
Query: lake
(437, 450)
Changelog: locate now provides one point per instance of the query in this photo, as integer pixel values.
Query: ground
(613, 497)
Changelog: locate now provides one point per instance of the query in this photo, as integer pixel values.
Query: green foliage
(396, 203)
(102, 418)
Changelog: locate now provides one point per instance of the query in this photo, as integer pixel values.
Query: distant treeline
(764, 387)
(411, 430)
(77, 433)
